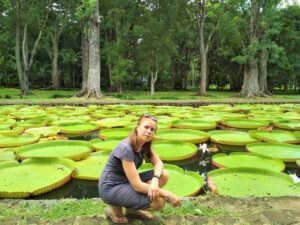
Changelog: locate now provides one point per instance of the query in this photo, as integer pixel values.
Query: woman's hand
(173, 199)
(153, 192)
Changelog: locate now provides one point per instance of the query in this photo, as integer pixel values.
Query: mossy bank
(201, 210)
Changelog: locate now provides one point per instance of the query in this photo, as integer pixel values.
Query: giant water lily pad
(7, 156)
(284, 152)
(275, 136)
(76, 127)
(43, 131)
(114, 133)
(197, 124)
(107, 145)
(33, 176)
(246, 182)
(183, 135)
(182, 183)
(75, 150)
(288, 124)
(111, 122)
(91, 167)
(245, 123)
(15, 141)
(236, 138)
(31, 123)
(241, 159)
(173, 150)
(12, 131)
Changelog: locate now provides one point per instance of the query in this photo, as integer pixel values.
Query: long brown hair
(133, 137)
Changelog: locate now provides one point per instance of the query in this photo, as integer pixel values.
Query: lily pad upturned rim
(231, 142)
(281, 165)
(250, 147)
(78, 156)
(175, 157)
(203, 136)
(59, 161)
(256, 134)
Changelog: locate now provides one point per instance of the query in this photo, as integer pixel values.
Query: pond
(267, 131)
(200, 163)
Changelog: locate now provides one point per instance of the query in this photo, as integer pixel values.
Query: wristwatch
(157, 176)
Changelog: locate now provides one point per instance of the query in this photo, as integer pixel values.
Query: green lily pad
(298, 162)
(284, 152)
(183, 135)
(236, 138)
(245, 123)
(7, 156)
(197, 124)
(91, 167)
(15, 141)
(43, 131)
(75, 150)
(33, 176)
(242, 159)
(107, 145)
(111, 122)
(76, 127)
(288, 124)
(115, 133)
(275, 136)
(12, 131)
(246, 182)
(182, 183)
(173, 150)
(31, 123)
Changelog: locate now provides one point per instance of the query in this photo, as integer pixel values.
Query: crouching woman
(121, 185)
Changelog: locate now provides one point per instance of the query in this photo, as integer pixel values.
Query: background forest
(246, 46)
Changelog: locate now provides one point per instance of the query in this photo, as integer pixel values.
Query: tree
(25, 10)
(155, 46)
(60, 16)
(92, 86)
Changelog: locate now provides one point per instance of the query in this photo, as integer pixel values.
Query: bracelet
(155, 175)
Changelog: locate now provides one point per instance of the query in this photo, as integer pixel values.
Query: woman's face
(146, 129)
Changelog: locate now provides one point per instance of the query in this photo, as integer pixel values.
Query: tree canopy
(251, 47)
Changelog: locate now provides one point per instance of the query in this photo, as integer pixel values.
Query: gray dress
(114, 187)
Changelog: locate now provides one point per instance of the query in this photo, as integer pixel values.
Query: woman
(121, 185)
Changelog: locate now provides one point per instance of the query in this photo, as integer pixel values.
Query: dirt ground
(276, 210)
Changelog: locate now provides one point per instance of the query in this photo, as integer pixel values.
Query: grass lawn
(12, 93)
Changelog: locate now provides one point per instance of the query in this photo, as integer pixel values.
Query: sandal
(139, 214)
(114, 218)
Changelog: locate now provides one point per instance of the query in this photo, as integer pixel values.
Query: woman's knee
(157, 204)
(164, 178)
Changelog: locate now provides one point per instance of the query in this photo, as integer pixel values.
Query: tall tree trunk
(55, 78)
(263, 69)
(250, 86)
(154, 76)
(24, 88)
(202, 49)
(84, 59)
(93, 81)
